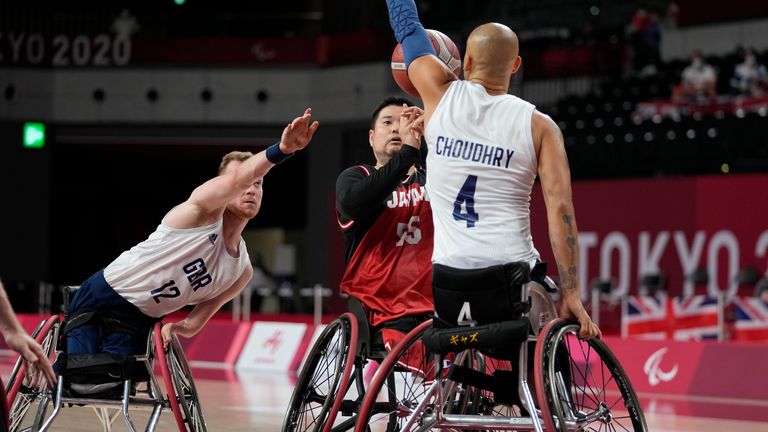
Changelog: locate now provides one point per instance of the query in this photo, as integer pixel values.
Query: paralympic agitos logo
(652, 368)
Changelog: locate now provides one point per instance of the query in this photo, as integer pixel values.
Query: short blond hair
(233, 156)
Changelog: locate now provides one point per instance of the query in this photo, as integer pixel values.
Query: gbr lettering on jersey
(197, 276)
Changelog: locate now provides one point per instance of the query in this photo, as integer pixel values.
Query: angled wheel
(401, 392)
(20, 393)
(179, 384)
(317, 397)
(581, 385)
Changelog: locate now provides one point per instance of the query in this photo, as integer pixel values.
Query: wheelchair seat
(111, 384)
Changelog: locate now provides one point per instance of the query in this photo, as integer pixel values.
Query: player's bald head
(493, 48)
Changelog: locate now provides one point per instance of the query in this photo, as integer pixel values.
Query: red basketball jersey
(390, 269)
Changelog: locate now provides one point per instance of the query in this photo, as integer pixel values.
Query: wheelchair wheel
(581, 385)
(20, 394)
(316, 398)
(403, 381)
(179, 384)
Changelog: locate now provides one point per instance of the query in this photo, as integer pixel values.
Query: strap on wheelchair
(500, 340)
(100, 368)
(109, 324)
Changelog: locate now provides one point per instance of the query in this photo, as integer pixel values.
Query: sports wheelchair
(331, 385)
(466, 379)
(132, 382)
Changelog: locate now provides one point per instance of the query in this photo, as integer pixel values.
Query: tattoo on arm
(567, 269)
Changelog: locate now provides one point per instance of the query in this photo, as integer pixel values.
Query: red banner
(628, 228)
(693, 368)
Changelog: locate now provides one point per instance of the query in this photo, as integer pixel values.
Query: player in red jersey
(386, 220)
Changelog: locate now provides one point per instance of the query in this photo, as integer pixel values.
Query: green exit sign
(34, 135)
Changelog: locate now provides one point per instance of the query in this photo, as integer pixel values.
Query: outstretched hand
(298, 133)
(573, 310)
(33, 355)
(412, 125)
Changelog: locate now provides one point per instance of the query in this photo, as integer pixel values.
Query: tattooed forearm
(567, 260)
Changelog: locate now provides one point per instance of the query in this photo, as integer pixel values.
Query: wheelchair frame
(180, 392)
(556, 410)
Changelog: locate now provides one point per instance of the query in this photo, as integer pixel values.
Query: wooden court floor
(257, 402)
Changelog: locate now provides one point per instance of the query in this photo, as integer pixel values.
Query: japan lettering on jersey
(391, 269)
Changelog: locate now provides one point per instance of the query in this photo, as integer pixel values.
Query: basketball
(446, 51)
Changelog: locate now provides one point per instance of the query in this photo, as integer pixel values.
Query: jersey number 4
(466, 198)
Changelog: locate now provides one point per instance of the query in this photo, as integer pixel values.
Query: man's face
(248, 203)
(385, 136)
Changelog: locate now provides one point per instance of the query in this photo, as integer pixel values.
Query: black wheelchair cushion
(100, 368)
(500, 340)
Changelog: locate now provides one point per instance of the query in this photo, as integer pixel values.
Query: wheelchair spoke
(321, 379)
(590, 395)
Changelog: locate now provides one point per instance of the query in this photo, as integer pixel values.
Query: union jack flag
(748, 318)
(681, 318)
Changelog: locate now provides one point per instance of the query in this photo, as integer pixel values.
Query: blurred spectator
(645, 39)
(750, 78)
(671, 16)
(698, 83)
(652, 46)
(639, 23)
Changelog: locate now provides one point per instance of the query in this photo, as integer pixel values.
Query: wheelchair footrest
(496, 337)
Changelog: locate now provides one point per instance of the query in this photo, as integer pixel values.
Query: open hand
(298, 133)
(34, 357)
(412, 125)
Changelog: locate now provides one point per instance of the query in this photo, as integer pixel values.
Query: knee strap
(108, 325)
(78, 320)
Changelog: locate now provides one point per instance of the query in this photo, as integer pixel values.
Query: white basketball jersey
(176, 267)
(481, 167)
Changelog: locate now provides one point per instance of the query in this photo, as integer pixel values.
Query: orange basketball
(446, 51)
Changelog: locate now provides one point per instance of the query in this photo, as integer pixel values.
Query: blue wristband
(275, 155)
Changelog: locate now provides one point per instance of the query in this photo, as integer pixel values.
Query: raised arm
(428, 74)
(555, 178)
(358, 191)
(209, 199)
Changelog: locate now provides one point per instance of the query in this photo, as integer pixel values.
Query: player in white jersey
(195, 257)
(486, 148)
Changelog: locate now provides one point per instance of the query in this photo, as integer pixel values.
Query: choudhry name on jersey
(402, 197)
(473, 151)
